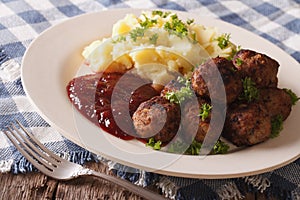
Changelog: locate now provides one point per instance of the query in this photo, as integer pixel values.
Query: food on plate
(277, 101)
(198, 117)
(259, 67)
(161, 38)
(159, 79)
(157, 118)
(247, 124)
(92, 94)
(208, 78)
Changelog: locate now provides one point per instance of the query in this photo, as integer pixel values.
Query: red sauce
(110, 99)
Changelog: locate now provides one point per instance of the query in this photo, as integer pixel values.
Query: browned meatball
(277, 102)
(247, 124)
(206, 83)
(157, 118)
(259, 67)
(194, 127)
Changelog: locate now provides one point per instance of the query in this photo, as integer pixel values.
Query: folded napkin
(21, 21)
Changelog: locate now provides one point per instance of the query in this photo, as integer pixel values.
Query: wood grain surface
(35, 185)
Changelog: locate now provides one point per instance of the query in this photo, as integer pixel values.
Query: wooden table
(38, 186)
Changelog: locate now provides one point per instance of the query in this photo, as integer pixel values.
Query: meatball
(196, 127)
(206, 83)
(247, 124)
(140, 95)
(277, 102)
(259, 67)
(157, 118)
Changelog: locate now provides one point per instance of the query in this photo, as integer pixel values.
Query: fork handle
(143, 192)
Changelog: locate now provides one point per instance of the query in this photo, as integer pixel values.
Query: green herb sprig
(147, 23)
(194, 148)
(220, 147)
(137, 32)
(204, 111)
(121, 38)
(276, 126)
(223, 40)
(250, 92)
(181, 95)
(153, 38)
(293, 96)
(176, 27)
(238, 61)
(161, 13)
(156, 145)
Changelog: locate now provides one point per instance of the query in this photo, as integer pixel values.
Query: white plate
(52, 61)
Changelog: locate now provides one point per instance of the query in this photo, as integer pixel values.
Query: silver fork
(61, 169)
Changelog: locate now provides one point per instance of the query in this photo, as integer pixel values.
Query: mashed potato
(156, 44)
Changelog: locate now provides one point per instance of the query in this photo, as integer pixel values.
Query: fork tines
(30, 147)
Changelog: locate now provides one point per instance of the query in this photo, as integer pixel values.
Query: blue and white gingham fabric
(21, 21)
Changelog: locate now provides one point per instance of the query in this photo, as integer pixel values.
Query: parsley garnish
(184, 81)
(121, 38)
(204, 111)
(250, 91)
(161, 13)
(137, 32)
(293, 96)
(176, 27)
(148, 22)
(220, 147)
(190, 21)
(194, 148)
(157, 12)
(239, 61)
(276, 126)
(153, 38)
(180, 95)
(223, 40)
(156, 145)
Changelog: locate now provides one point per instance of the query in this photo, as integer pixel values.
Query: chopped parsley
(223, 40)
(180, 95)
(184, 81)
(250, 92)
(276, 126)
(293, 96)
(137, 32)
(234, 50)
(161, 13)
(205, 111)
(176, 27)
(157, 12)
(147, 23)
(121, 38)
(194, 148)
(239, 61)
(156, 145)
(190, 21)
(220, 147)
(153, 38)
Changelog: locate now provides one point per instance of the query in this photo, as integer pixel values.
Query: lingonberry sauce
(92, 96)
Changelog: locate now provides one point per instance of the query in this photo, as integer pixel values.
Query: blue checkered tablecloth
(21, 21)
